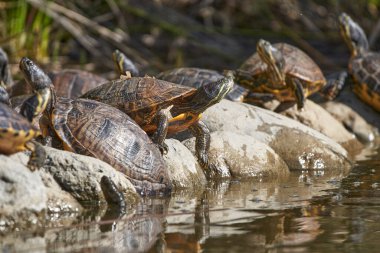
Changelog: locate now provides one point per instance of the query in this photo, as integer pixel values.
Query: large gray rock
(357, 116)
(233, 155)
(314, 116)
(80, 175)
(298, 145)
(183, 167)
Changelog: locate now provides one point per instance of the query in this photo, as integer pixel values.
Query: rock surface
(233, 155)
(183, 167)
(298, 145)
(80, 175)
(356, 116)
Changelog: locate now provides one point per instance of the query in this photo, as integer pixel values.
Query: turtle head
(211, 93)
(353, 35)
(274, 60)
(41, 85)
(124, 64)
(5, 73)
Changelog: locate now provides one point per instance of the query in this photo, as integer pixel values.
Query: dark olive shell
(70, 83)
(365, 70)
(95, 129)
(196, 77)
(15, 131)
(141, 97)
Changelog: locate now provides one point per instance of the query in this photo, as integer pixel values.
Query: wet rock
(319, 119)
(183, 167)
(58, 199)
(233, 155)
(357, 116)
(298, 145)
(80, 175)
(23, 195)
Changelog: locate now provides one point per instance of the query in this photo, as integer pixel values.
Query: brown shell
(140, 97)
(196, 77)
(70, 83)
(365, 70)
(95, 129)
(297, 64)
(15, 131)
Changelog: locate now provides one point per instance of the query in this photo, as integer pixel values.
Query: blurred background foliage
(162, 34)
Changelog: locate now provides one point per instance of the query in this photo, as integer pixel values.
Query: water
(316, 211)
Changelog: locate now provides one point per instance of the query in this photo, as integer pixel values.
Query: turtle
(364, 65)
(145, 98)
(16, 131)
(284, 72)
(95, 129)
(69, 83)
(5, 72)
(192, 77)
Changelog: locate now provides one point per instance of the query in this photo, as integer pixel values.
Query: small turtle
(95, 129)
(364, 65)
(281, 70)
(192, 77)
(5, 72)
(70, 83)
(17, 132)
(145, 98)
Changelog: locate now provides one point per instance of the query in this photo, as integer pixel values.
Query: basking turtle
(282, 70)
(364, 65)
(192, 77)
(16, 131)
(95, 129)
(70, 83)
(5, 72)
(145, 98)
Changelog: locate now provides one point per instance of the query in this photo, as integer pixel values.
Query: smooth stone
(184, 170)
(80, 175)
(23, 195)
(357, 116)
(233, 155)
(301, 147)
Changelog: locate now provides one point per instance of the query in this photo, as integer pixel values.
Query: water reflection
(308, 211)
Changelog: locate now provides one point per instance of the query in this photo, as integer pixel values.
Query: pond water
(315, 211)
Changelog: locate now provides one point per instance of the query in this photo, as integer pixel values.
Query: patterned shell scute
(297, 63)
(93, 128)
(365, 70)
(196, 77)
(138, 94)
(10, 119)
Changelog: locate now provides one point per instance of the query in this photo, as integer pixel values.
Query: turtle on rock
(283, 72)
(16, 130)
(95, 129)
(364, 65)
(145, 99)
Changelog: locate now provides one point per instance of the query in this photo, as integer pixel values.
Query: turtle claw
(163, 148)
(37, 157)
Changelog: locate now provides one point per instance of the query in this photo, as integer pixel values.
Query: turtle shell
(142, 97)
(15, 131)
(69, 83)
(365, 70)
(297, 64)
(196, 77)
(95, 129)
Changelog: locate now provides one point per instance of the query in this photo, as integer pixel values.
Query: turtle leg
(334, 85)
(113, 196)
(159, 136)
(202, 141)
(37, 157)
(258, 98)
(298, 92)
